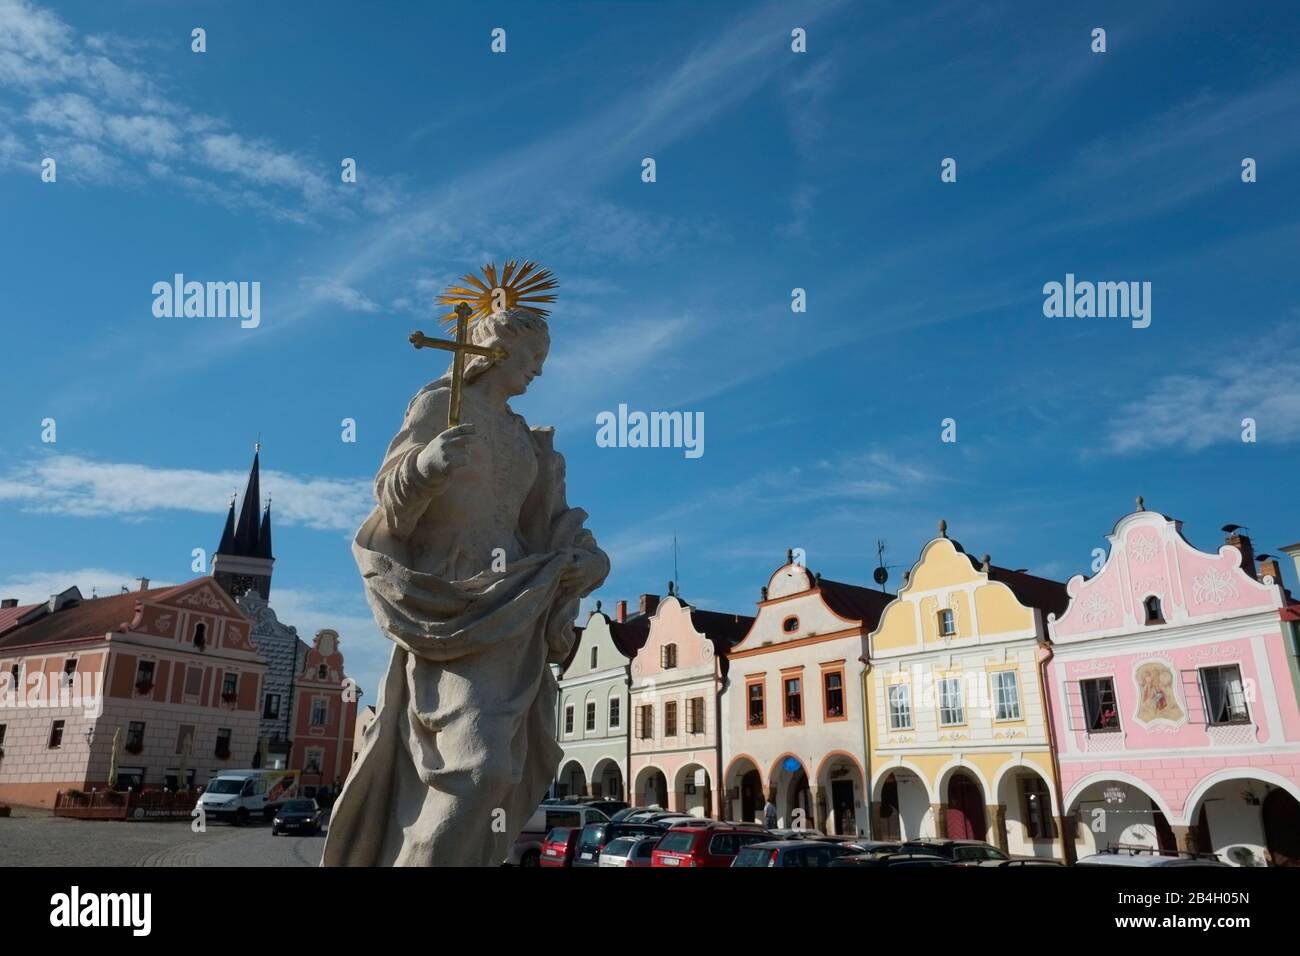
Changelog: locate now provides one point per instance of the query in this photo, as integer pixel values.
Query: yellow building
(957, 728)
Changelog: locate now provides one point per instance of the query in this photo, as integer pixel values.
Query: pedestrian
(769, 814)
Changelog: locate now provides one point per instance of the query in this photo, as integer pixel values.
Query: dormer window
(200, 635)
(322, 672)
(790, 624)
(947, 624)
(668, 656)
(593, 657)
(1153, 612)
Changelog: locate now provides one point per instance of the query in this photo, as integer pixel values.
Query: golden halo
(522, 285)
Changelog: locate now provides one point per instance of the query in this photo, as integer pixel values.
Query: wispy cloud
(79, 487)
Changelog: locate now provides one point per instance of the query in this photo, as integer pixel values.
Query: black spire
(227, 545)
(264, 536)
(246, 532)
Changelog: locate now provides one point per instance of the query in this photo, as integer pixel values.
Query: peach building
(675, 760)
(324, 718)
(170, 672)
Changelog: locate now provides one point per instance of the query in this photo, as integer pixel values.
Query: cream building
(958, 733)
(792, 707)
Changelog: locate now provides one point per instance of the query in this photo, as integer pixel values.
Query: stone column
(678, 801)
(940, 813)
(997, 814)
(819, 809)
(1185, 838)
(1068, 826)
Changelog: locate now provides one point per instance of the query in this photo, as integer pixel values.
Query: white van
(527, 849)
(240, 795)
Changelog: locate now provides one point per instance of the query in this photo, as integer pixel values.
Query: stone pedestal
(997, 818)
(940, 813)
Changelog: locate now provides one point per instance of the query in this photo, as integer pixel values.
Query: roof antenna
(676, 577)
(881, 574)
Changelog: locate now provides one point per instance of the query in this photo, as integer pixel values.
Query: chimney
(8, 602)
(1269, 568)
(621, 613)
(648, 603)
(1242, 544)
(144, 584)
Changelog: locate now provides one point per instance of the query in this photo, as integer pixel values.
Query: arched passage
(840, 786)
(902, 806)
(744, 790)
(693, 790)
(651, 788)
(572, 780)
(1031, 828)
(1246, 819)
(964, 817)
(607, 779)
(791, 793)
(1119, 811)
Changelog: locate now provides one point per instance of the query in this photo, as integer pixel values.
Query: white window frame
(947, 623)
(590, 720)
(1000, 697)
(569, 719)
(946, 702)
(900, 708)
(615, 712)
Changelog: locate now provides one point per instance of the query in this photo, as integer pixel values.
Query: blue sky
(775, 170)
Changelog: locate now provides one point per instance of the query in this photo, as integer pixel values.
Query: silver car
(628, 851)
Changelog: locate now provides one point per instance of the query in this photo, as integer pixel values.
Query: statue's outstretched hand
(447, 452)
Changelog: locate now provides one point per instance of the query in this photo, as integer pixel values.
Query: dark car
(890, 860)
(296, 816)
(705, 845)
(790, 853)
(594, 836)
(559, 847)
(960, 852)
(872, 846)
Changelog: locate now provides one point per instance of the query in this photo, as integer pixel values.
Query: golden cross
(459, 349)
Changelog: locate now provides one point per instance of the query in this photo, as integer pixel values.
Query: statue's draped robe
(463, 747)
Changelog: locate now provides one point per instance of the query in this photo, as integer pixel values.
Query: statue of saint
(473, 564)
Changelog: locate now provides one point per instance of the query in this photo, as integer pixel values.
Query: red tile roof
(9, 616)
(855, 602)
(90, 617)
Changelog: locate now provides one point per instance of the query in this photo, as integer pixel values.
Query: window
(833, 694)
(790, 625)
(1006, 696)
(951, 710)
(793, 700)
(668, 656)
(757, 715)
(615, 717)
(183, 734)
(135, 737)
(56, 734)
(2, 735)
(695, 715)
(200, 635)
(1099, 704)
(947, 626)
(591, 715)
(16, 673)
(229, 686)
(69, 668)
(315, 757)
(1153, 612)
(222, 748)
(900, 707)
(1225, 696)
(670, 718)
(193, 681)
(271, 709)
(594, 657)
(323, 672)
(568, 718)
(144, 676)
(320, 708)
(645, 721)
(1036, 807)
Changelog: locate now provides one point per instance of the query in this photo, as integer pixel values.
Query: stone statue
(473, 564)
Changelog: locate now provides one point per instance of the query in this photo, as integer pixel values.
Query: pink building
(1172, 679)
(324, 718)
(675, 759)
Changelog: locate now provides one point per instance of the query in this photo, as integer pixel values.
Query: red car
(559, 846)
(705, 845)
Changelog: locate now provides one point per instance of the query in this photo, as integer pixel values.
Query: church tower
(243, 560)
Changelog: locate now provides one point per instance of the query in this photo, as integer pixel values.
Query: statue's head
(526, 339)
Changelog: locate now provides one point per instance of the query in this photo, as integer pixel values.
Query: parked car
(890, 860)
(594, 836)
(1145, 856)
(527, 848)
(1026, 861)
(796, 834)
(790, 853)
(705, 844)
(640, 814)
(629, 851)
(605, 805)
(241, 795)
(296, 816)
(873, 846)
(559, 846)
(960, 852)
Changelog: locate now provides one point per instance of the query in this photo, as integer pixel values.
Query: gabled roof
(725, 630)
(90, 618)
(1032, 591)
(855, 602)
(10, 616)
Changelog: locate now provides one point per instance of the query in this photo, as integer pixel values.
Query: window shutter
(1075, 717)
(1194, 694)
